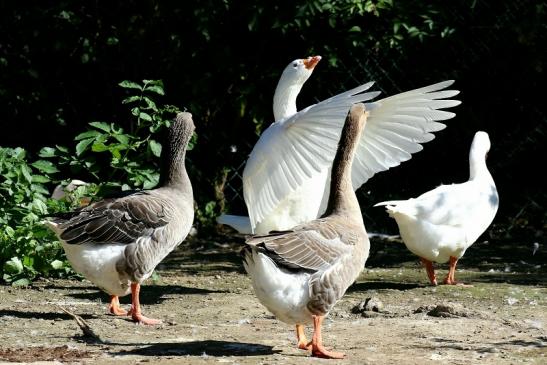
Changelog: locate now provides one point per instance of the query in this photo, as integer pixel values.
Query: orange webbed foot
(115, 308)
(321, 352)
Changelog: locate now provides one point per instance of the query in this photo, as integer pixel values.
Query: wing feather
(302, 146)
(122, 220)
(315, 246)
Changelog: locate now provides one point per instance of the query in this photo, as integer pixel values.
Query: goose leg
(301, 337)
(115, 308)
(450, 280)
(135, 311)
(430, 271)
(317, 349)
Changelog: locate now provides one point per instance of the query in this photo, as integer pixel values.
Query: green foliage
(132, 155)
(27, 248)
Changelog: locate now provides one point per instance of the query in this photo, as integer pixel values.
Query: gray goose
(117, 242)
(301, 273)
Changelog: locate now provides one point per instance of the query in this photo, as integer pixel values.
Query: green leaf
(82, 145)
(101, 125)
(26, 172)
(99, 147)
(45, 166)
(9, 231)
(153, 82)
(355, 29)
(21, 282)
(145, 116)
(115, 153)
(122, 138)
(87, 134)
(40, 179)
(155, 147)
(47, 152)
(40, 205)
(131, 99)
(13, 266)
(62, 148)
(130, 85)
(155, 89)
(150, 103)
(57, 264)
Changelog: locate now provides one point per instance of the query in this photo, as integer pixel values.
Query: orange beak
(310, 62)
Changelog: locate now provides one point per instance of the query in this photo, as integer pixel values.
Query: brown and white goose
(117, 242)
(300, 274)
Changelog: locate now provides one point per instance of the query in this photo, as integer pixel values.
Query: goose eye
(295, 64)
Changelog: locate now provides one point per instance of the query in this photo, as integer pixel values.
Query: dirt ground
(211, 316)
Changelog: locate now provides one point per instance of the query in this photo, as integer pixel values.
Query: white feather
(447, 220)
(282, 293)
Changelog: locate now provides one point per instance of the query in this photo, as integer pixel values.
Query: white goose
(117, 242)
(441, 224)
(286, 178)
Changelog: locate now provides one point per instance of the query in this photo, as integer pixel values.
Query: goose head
(293, 77)
(478, 153)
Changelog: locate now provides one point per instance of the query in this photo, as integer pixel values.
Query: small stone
(372, 304)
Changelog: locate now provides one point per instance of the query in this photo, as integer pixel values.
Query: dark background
(60, 63)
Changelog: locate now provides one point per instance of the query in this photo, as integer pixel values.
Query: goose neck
(342, 199)
(284, 104)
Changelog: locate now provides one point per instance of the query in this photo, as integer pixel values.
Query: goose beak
(310, 62)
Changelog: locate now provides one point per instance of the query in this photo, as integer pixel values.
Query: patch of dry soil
(210, 316)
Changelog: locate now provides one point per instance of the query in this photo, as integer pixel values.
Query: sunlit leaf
(45, 166)
(130, 85)
(87, 134)
(47, 152)
(82, 145)
(101, 125)
(13, 266)
(155, 147)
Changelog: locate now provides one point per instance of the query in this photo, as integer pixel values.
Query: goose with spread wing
(441, 224)
(286, 178)
(301, 273)
(117, 242)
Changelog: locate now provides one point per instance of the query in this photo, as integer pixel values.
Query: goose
(441, 224)
(117, 242)
(286, 177)
(300, 274)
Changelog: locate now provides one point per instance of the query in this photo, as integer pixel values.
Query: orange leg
(317, 349)
(301, 337)
(115, 308)
(430, 270)
(135, 311)
(450, 280)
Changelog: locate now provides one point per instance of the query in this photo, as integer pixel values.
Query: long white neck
(477, 165)
(284, 103)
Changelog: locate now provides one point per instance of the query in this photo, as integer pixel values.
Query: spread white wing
(297, 148)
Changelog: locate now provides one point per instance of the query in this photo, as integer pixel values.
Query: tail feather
(239, 223)
(388, 202)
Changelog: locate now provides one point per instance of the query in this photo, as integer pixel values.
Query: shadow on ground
(150, 294)
(40, 315)
(199, 348)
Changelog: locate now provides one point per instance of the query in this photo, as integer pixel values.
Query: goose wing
(300, 147)
(314, 246)
(116, 220)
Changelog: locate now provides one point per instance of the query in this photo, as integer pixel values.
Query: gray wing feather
(122, 220)
(314, 246)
